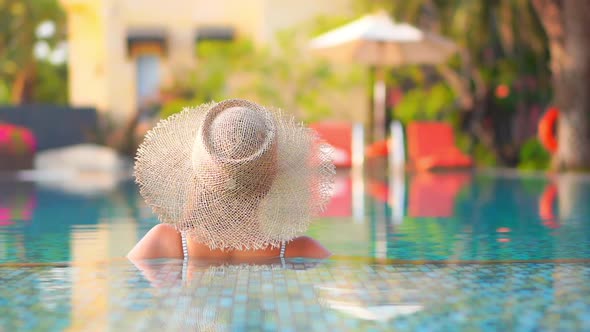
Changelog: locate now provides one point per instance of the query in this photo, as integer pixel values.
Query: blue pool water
(481, 251)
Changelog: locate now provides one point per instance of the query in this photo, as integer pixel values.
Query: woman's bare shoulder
(306, 247)
(162, 241)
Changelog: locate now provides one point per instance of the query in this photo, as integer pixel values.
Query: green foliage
(4, 92)
(176, 105)
(533, 156)
(217, 61)
(51, 85)
(323, 23)
(19, 68)
(282, 75)
(484, 156)
(425, 103)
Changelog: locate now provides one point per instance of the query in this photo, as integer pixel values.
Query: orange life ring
(547, 131)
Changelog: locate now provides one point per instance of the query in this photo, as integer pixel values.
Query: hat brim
(300, 190)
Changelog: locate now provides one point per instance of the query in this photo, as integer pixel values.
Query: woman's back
(164, 241)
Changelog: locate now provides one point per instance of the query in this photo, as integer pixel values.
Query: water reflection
(17, 204)
(434, 195)
(471, 216)
(48, 225)
(547, 203)
(165, 273)
(440, 216)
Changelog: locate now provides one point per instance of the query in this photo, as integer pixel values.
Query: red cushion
(339, 135)
(427, 138)
(432, 145)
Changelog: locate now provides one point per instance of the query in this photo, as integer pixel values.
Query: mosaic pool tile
(342, 296)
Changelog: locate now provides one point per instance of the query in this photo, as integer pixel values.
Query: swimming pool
(486, 251)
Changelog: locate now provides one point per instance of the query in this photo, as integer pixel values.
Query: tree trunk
(21, 92)
(565, 23)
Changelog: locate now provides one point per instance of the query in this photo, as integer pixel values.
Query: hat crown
(235, 132)
(238, 133)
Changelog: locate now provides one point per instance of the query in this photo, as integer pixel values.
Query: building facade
(122, 51)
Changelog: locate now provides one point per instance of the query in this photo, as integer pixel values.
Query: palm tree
(565, 23)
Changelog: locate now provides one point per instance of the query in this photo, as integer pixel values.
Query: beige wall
(102, 75)
(87, 51)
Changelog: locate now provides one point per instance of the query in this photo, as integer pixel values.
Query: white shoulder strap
(184, 246)
(283, 248)
(185, 257)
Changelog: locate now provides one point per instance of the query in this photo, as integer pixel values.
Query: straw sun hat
(235, 175)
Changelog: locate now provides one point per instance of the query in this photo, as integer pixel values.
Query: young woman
(232, 181)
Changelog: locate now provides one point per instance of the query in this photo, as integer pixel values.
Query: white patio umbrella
(377, 41)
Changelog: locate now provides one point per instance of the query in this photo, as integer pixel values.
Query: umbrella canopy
(377, 40)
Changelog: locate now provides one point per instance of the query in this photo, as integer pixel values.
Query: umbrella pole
(379, 95)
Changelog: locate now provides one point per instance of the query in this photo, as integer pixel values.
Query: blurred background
(492, 95)
(104, 71)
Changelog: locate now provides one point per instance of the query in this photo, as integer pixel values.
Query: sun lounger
(431, 145)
